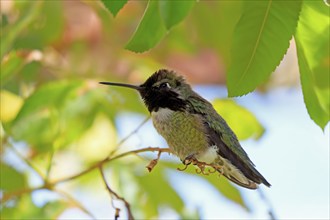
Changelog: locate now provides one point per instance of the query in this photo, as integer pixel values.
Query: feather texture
(229, 148)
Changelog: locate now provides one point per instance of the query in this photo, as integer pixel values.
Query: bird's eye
(164, 85)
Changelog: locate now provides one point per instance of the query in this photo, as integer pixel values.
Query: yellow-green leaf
(10, 104)
(11, 179)
(244, 124)
(312, 40)
(159, 190)
(220, 183)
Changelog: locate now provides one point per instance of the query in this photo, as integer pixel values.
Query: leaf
(220, 183)
(39, 129)
(261, 39)
(49, 94)
(11, 65)
(10, 104)
(99, 138)
(11, 180)
(146, 192)
(173, 12)
(150, 30)
(123, 100)
(244, 124)
(221, 18)
(312, 41)
(114, 6)
(224, 187)
(159, 191)
(38, 120)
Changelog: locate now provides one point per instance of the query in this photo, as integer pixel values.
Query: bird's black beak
(138, 88)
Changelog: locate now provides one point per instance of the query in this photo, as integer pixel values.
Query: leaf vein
(257, 42)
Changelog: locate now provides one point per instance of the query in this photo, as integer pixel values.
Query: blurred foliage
(24, 208)
(57, 119)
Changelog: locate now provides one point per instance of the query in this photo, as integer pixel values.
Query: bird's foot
(189, 159)
(201, 166)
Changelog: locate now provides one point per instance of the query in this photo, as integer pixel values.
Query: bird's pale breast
(184, 132)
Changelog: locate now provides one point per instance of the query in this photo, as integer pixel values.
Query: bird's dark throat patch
(162, 99)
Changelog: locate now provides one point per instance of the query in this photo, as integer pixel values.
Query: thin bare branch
(113, 193)
(271, 211)
(128, 136)
(26, 160)
(89, 169)
(49, 166)
(8, 196)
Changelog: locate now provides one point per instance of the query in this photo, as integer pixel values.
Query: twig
(75, 202)
(113, 193)
(128, 136)
(27, 161)
(49, 166)
(7, 196)
(89, 169)
(271, 211)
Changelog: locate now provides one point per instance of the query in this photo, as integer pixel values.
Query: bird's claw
(183, 169)
(200, 166)
(189, 159)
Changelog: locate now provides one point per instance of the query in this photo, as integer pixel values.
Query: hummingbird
(193, 129)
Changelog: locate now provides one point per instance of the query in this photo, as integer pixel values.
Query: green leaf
(10, 179)
(40, 114)
(150, 30)
(221, 18)
(243, 122)
(38, 129)
(50, 94)
(220, 183)
(147, 192)
(123, 100)
(114, 6)
(173, 12)
(260, 41)
(10, 66)
(158, 189)
(312, 40)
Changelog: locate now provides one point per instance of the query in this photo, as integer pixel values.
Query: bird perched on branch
(193, 130)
